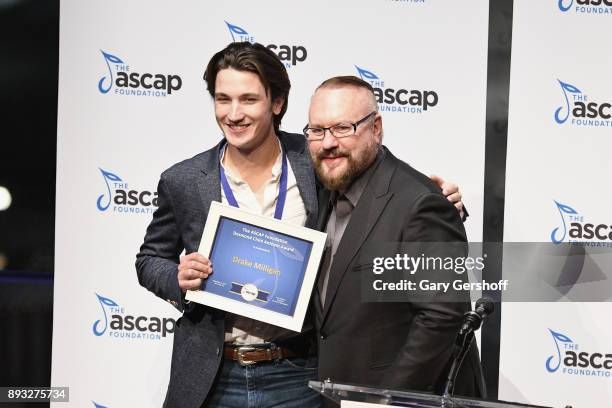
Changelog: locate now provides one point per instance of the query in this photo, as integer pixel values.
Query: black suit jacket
(185, 192)
(392, 345)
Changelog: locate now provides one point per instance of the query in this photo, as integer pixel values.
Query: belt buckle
(240, 354)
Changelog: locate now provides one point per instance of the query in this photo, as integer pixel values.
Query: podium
(356, 393)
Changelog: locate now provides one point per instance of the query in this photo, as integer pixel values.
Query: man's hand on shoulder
(193, 268)
(451, 192)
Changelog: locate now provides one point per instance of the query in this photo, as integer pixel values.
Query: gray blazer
(185, 192)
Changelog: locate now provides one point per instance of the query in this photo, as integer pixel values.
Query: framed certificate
(263, 268)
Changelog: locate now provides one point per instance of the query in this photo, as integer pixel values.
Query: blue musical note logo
(103, 302)
(563, 209)
(366, 75)
(234, 29)
(108, 176)
(557, 337)
(109, 59)
(565, 87)
(563, 7)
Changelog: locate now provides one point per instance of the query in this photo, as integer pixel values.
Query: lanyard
(282, 189)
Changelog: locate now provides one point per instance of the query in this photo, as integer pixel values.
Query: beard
(356, 163)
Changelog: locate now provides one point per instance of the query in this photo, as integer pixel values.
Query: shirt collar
(276, 167)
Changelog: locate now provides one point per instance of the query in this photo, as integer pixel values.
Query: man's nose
(329, 141)
(235, 113)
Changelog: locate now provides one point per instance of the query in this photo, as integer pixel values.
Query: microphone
(471, 322)
(473, 319)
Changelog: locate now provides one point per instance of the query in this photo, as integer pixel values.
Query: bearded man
(370, 198)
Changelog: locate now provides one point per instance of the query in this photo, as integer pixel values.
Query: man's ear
(277, 105)
(378, 130)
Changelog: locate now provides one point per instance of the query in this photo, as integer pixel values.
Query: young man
(376, 198)
(220, 359)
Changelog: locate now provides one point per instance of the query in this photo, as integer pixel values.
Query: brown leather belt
(248, 355)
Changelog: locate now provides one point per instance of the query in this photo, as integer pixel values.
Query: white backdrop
(558, 173)
(111, 143)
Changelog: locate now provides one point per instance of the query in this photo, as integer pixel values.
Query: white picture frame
(249, 305)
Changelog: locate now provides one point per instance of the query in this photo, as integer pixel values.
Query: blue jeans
(280, 384)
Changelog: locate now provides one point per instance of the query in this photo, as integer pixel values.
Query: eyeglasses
(338, 131)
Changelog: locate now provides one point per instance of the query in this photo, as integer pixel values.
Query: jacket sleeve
(424, 357)
(157, 261)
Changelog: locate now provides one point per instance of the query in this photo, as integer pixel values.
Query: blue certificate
(263, 268)
(256, 265)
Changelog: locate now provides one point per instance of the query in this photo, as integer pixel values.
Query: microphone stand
(462, 344)
(471, 322)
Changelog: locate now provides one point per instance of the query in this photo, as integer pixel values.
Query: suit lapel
(304, 175)
(325, 208)
(207, 183)
(369, 208)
